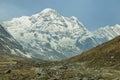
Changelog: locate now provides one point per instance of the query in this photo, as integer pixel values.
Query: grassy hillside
(105, 55)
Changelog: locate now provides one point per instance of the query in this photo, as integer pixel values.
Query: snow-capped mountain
(97, 37)
(8, 44)
(49, 35)
(109, 32)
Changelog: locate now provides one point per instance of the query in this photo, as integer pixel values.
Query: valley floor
(31, 70)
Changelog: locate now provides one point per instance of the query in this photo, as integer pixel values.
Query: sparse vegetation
(100, 63)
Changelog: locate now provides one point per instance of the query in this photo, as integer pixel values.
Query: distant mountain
(50, 36)
(105, 55)
(97, 37)
(8, 44)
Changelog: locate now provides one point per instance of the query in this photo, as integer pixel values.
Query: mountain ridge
(49, 35)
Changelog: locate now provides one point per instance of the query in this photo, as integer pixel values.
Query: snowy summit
(49, 35)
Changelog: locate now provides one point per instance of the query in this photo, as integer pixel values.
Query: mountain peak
(73, 18)
(48, 10)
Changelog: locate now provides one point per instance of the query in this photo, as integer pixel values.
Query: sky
(92, 13)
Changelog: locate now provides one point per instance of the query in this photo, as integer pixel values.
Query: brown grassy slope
(9, 59)
(4, 57)
(107, 54)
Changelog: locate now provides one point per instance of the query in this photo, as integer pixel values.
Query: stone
(39, 72)
(7, 71)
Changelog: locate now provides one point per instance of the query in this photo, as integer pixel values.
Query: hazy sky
(92, 13)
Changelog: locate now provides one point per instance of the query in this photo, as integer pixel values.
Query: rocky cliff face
(8, 44)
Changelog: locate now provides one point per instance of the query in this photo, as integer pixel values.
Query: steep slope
(47, 35)
(107, 54)
(8, 44)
